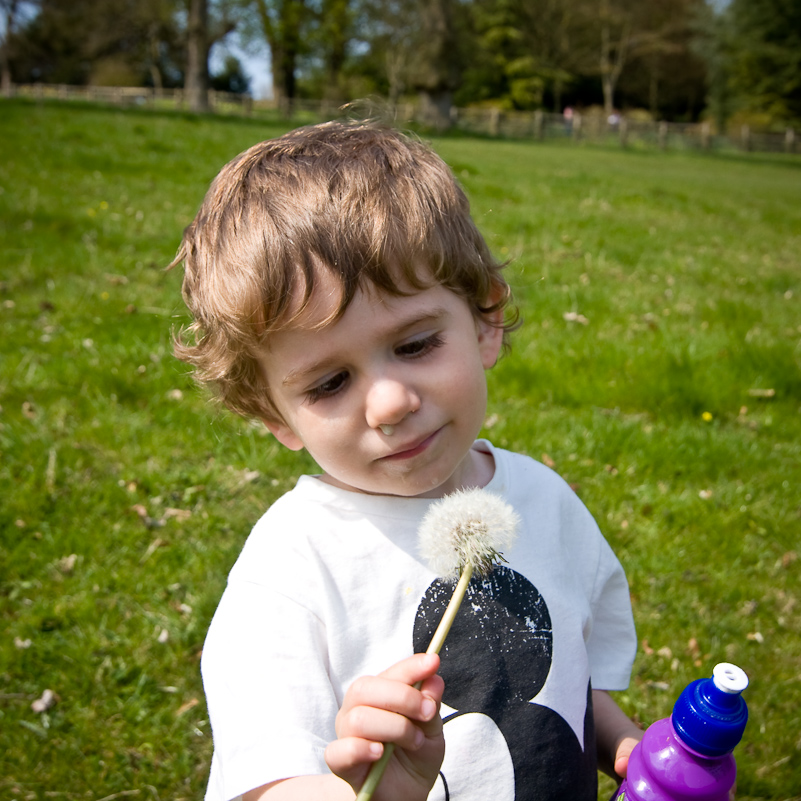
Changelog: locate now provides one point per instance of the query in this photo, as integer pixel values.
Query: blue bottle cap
(710, 714)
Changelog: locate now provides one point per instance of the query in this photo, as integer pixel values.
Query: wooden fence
(220, 102)
(538, 125)
(622, 130)
(596, 128)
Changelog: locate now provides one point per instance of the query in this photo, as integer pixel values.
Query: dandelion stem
(375, 773)
(434, 647)
(438, 640)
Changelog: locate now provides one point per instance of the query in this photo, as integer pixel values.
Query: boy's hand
(624, 749)
(615, 735)
(387, 708)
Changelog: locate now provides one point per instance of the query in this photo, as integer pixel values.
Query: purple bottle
(687, 757)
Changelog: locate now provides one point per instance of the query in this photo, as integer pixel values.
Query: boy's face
(415, 363)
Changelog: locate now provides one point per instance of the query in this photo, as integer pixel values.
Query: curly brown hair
(364, 202)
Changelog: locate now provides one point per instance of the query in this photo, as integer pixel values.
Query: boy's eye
(419, 347)
(329, 387)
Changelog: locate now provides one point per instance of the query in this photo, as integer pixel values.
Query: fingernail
(419, 738)
(429, 708)
(430, 660)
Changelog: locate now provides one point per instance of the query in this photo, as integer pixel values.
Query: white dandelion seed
(470, 527)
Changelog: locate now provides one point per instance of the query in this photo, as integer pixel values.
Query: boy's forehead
(321, 306)
(324, 305)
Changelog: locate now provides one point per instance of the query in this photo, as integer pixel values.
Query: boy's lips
(413, 448)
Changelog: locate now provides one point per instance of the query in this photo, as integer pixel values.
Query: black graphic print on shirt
(495, 660)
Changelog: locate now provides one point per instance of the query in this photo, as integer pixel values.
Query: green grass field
(658, 370)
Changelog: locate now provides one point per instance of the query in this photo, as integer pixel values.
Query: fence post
(576, 130)
(494, 121)
(745, 137)
(623, 131)
(538, 124)
(705, 135)
(453, 116)
(662, 132)
(789, 141)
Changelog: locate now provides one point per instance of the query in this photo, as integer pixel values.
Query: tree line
(673, 59)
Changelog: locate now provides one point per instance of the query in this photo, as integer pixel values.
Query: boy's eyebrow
(430, 315)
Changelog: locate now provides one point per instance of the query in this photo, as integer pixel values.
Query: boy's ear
(490, 335)
(284, 434)
(490, 340)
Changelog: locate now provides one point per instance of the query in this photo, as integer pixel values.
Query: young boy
(342, 294)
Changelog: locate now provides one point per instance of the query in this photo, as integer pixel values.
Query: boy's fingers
(392, 690)
(413, 669)
(388, 709)
(350, 759)
(378, 725)
(624, 749)
(399, 706)
(351, 756)
(391, 697)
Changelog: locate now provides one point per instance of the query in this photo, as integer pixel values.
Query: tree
(415, 46)
(668, 77)
(438, 60)
(525, 50)
(196, 82)
(764, 56)
(283, 24)
(107, 42)
(558, 44)
(625, 32)
(615, 30)
(14, 13)
(335, 35)
(157, 22)
(711, 43)
(202, 32)
(231, 78)
(387, 35)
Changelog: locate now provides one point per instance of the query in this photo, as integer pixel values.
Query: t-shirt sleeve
(271, 704)
(557, 514)
(612, 643)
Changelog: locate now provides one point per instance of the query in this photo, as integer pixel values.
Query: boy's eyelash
(411, 350)
(420, 347)
(329, 387)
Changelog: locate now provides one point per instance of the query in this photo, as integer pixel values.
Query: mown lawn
(658, 370)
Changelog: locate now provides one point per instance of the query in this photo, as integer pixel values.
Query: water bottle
(687, 757)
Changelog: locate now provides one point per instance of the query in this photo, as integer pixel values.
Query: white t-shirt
(329, 587)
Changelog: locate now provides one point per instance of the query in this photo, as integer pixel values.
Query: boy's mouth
(413, 449)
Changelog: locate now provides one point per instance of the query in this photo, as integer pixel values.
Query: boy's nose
(389, 401)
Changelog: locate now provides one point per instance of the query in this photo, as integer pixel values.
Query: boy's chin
(400, 489)
(390, 488)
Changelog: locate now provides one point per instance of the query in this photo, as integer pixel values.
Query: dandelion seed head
(467, 527)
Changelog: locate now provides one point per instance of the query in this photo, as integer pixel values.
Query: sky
(255, 64)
